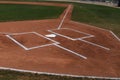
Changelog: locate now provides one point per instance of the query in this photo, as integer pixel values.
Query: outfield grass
(14, 12)
(13, 75)
(100, 16)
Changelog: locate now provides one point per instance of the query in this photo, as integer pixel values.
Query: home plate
(50, 35)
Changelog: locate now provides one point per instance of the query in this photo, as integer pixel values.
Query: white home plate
(50, 35)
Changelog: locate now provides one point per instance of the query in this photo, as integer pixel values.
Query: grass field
(100, 16)
(13, 75)
(14, 12)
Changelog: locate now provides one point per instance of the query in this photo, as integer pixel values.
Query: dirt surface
(34, 3)
(31, 40)
(100, 62)
(70, 33)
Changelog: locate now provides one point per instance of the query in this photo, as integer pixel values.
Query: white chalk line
(94, 44)
(71, 51)
(90, 26)
(58, 74)
(21, 33)
(26, 48)
(33, 33)
(41, 46)
(17, 42)
(61, 35)
(81, 39)
(115, 35)
(61, 23)
(5, 33)
(70, 37)
(87, 37)
(55, 43)
(73, 30)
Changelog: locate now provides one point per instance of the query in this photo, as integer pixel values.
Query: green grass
(14, 12)
(100, 16)
(13, 75)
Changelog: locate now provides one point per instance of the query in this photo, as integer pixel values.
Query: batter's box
(71, 34)
(31, 40)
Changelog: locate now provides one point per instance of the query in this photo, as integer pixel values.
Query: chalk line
(71, 51)
(61, 23)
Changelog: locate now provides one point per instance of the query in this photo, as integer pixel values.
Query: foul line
(61, 35)
(71, 51)
(58, 74)
(115, 35)
(94, 44)
(88, 35)
(17, 42)
(41, 46)
(5, 33)
(73, 30)
(61, 23)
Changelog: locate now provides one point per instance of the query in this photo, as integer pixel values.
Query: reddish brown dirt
(31, 40)
(34, 3)
(100, 62)
(70, 33)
